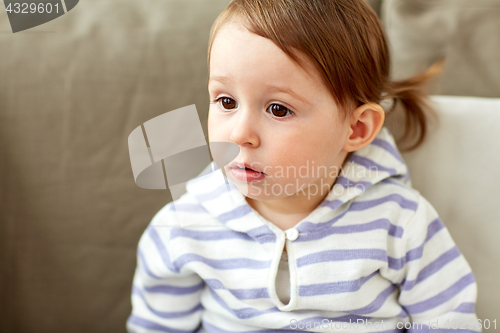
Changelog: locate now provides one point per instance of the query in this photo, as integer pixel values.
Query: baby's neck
(282, 215)
(286, 213)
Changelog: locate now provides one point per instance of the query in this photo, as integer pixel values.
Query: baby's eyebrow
(222, 79)
(271, 88)
(288, 91)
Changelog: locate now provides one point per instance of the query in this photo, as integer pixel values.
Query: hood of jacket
(364, 170)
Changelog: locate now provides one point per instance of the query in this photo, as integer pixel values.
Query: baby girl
(326, 233)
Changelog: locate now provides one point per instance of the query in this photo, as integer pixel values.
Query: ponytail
(410, 94)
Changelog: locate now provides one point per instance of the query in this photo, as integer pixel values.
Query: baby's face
(281, 116)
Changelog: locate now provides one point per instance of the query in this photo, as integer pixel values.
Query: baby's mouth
(244, 166)
(245, 173)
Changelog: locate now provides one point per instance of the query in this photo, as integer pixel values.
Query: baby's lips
(243, 166)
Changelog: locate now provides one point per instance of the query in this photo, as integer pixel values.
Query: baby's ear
(366, 122)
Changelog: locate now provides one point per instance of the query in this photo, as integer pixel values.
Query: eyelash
(289, 112)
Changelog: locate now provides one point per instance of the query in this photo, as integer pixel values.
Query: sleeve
(164, 297)
(438, 288)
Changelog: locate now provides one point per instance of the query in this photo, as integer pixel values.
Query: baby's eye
(227, 103)
(279, 110)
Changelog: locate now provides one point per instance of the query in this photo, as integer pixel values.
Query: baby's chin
(261, 192)
(262, 197)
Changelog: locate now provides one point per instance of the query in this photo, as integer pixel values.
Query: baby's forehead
(264, 56)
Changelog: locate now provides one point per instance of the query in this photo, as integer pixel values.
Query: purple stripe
(223, 264)
(243, 313)
(162, 250)
(394, 231)
(377, 303)
(433, 228)
(254, 293)
(371, 165)
(310, 227)
(262, 234)
(442, 297)
(144, 323)
(140, 257)
(332, 204)
(400, 200)
(416, 253)
(388, 147)
(347, 183)
(466, 307)
(250, 293)
(235, 213)
(433, 267)
(382, 224)
(173, 290)
(208, 235)
(165, 314)
(340, 255)
(234, 263)
(334, 287)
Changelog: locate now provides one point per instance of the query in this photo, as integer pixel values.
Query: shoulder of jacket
(408, 198)
(425, 215)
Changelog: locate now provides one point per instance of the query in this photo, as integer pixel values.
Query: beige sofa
(73, 89)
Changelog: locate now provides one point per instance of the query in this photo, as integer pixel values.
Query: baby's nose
(245, 130)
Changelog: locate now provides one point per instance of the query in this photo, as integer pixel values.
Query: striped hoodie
(374, 256)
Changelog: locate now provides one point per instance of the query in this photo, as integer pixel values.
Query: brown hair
(346, 42)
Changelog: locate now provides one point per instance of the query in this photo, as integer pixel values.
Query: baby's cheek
(215, 129)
